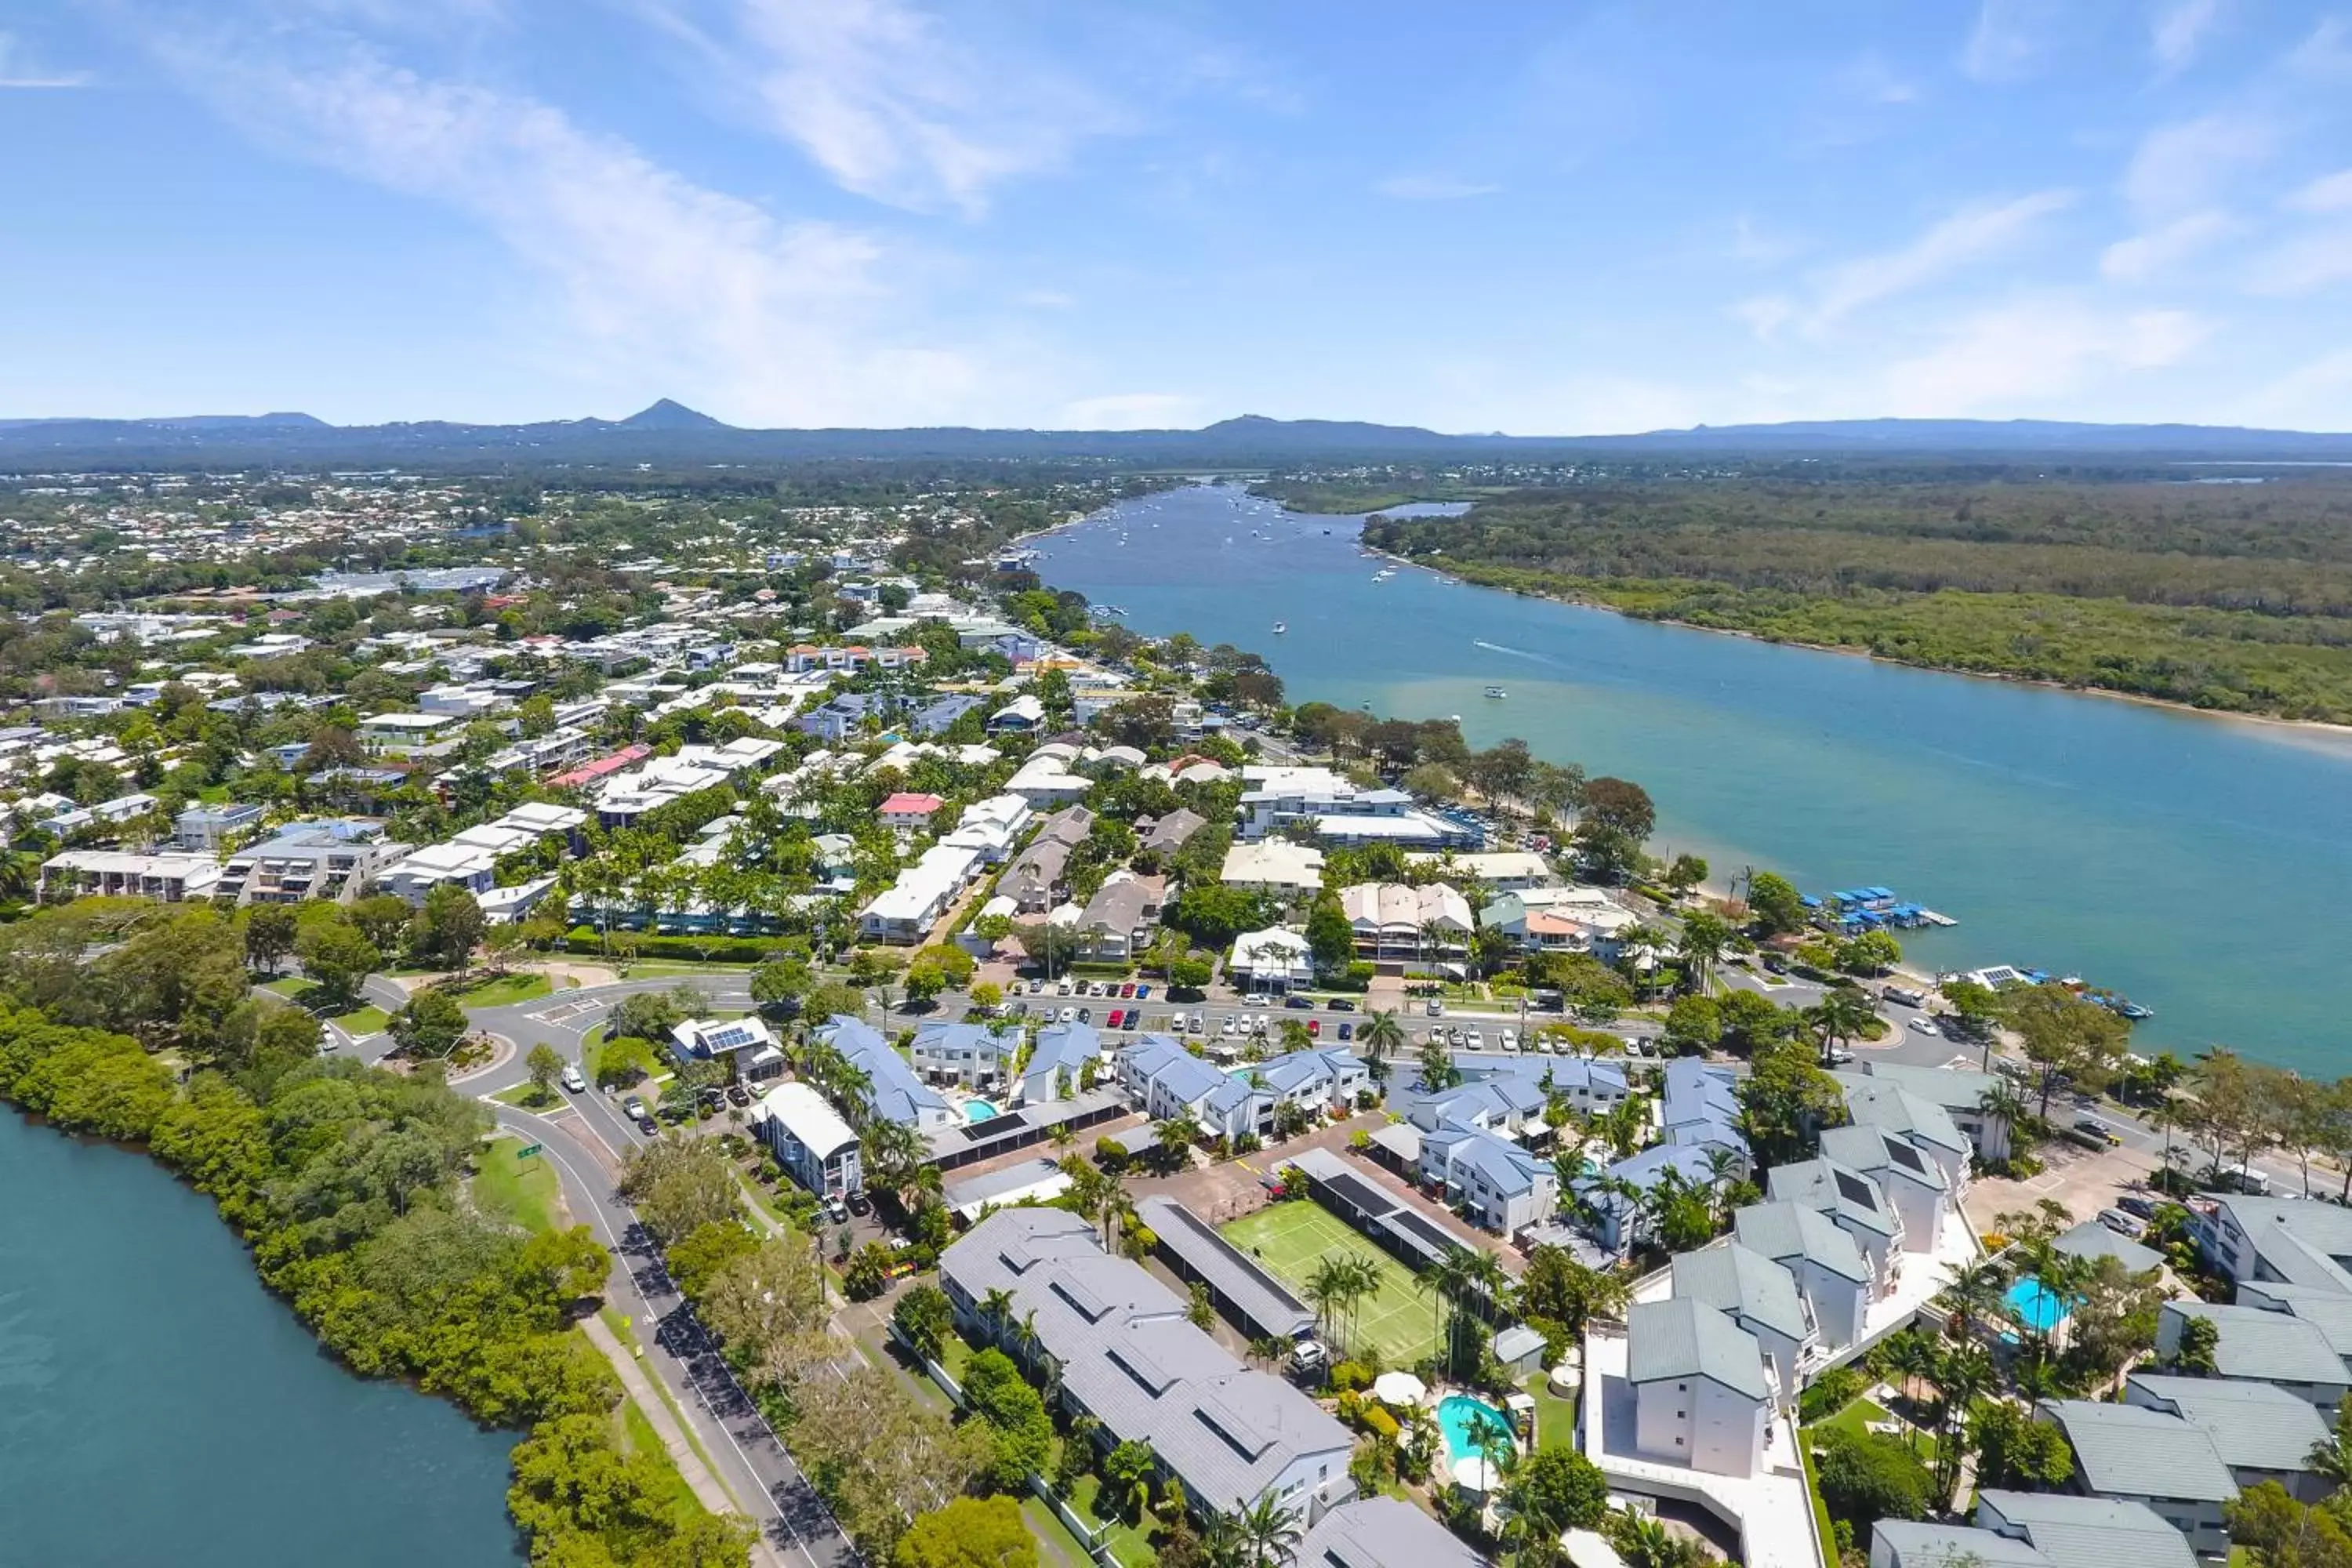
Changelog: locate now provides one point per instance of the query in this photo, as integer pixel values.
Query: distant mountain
(665, 415)
(671, 432)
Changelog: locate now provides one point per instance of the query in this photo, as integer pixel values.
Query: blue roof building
(893, 1091)
(1062, 1053)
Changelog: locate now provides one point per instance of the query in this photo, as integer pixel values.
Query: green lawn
(1056, 1544)
(1131, 1544)
(529, 1097)
(505, 991)
(1555, 1416)
(1288, 1238)
(524, 1191)
(308, 995)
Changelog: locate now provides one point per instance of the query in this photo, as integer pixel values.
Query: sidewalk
(705, 1486)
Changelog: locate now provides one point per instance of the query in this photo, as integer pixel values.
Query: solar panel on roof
(1905, 1155)
(1854, 1189)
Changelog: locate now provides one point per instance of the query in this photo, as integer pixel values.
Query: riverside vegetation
(349, 1183)
(2234, 597)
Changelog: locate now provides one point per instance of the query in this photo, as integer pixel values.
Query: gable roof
(1382, 1532)
(2091, 1239)
(2129, 1450)
(1785, 1231)
(1883, 1157)
(1845, 1194)
(2087, 1531)
(1751, 1287)
(1893, 1107)
(1681, 1338)
(2254, 1426)
(2274, 1347)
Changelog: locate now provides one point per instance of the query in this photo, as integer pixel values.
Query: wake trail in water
(1520, 653)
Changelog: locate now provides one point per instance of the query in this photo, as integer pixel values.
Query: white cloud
(2009, 39)
(2144, 256)
(1433, 188)
(2180, 27)
(2306, 264)
(659, 284)
(2329, 194)
(1133, 411)
(2032, 352)
(893, 102)
(1765, 314)
(2186, 163)
(1971, 235)
(18, 71)
(2308, 397)
(1872, 80)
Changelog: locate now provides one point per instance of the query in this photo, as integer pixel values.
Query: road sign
(527, 1150)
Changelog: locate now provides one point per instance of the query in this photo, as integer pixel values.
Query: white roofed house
(1275, 959)
(747, 1045)
(810, 1139)
(1702, 1386)
(1407, 928)
(1497, 1184)
(1275, 866)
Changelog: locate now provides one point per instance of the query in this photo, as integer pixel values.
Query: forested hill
(2234, 596)
(670, 433)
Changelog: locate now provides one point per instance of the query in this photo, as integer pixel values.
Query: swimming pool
(2038, 1307)
(980, 1110)
(1454, 1418)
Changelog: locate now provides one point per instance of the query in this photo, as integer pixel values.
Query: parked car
(634, 1110)
(2137, 1207)
(1300, 1002)
(1069, 1015)
(1086, 1014)
(1197, 1025)
(1434, 1008)
(1477, 1040)
(1143, 992)
(1126, 989)
(1339, 1005)
(739, 1092)
(1135, 1018)
(1839, 1056)
(1347, 1030)
(859, 1203)
(574, 1080)
(2122, 1223)
(1118, 1017)
(1314, 1026)
(1227, 1030)
(1907, 996)
(837, 1208)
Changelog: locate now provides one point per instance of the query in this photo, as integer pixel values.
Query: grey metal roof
(1254, 1294)
(1128, 1357)
(2254, 1426)
(1382, 1532)
(2328, 1310)
(1749, 1286)
(2091, 1239)
(994, 1184)
(1782, 1231)
(1893, 1108)
(2274, 1347)
(1918, 1545)
(1883, 1156)
(1853, 1201)
(2126, 1450)
(1954, 1089)
(1682, 1338)
(2087, 1531)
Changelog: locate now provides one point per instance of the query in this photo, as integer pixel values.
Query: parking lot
(1126, 1006)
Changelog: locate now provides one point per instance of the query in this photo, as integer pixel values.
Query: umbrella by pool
(1399, 1388)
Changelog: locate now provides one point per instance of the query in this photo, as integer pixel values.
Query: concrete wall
(1699, 1423)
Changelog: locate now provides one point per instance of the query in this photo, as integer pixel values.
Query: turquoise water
(2038, 1307)
(980, 1110)
(156, 1400)
(2198, 865)
(1453, 1416)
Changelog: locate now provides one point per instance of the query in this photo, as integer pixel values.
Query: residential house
(1830, 1270)
(810, 1140)
(1118, 922)
(1022, 716)
(1620, 1222)
(1034, 880)
(1275, 866)
(1960, 1092)
(1402, 928)
(1497, 1184)
(331, 859)
(1057, 1062)
(1166, 835)
(892, 1090)
(2263, 1346)
(2262, 1432)
(747, 1045)
(1122, 1352)
(105, 873)
(968, 1054)
(1922, 1121)
(1702, 1387)
(1698, 1106)
(1162, 1079)
(1760, 1295)
(1275, 959)
(1854, 1204)
(909, 811)
(2034, 1529)
(1382, 1532)
(1908, 1181)
(2134, 1454)
(207, 827)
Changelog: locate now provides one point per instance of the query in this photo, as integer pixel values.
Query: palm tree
(1912, 1355)
(1270, 1349)
(1644, 1541)
(2331, 1457)
(1381, 1036)
(2001, 1100)
(1270, 1531)
(1327, 1288)
(1977, 1291)
(894, 1151)
(1700, 946)
(996, 1310)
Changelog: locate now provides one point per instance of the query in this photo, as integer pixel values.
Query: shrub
(1380, 1423)
(1869, 1477)
(1351, 1407)
(1349, 1375)
(1830, 1393)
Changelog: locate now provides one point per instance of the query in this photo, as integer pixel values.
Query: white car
(1063, 989)
(1435, 1007)
(1926, 1026)
(574, 1080)
(1069, 1015)
(1477, 1042)
(1510, 1039)
(1228, 1030)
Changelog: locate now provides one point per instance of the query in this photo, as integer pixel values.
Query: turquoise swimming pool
(981, 1109)
(2038, 1307)
(1456, 1417)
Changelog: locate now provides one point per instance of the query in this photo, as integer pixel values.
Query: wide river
(2198, 865)
(156, 1403)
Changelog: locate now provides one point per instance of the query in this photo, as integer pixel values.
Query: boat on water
(1280, 627)
(1497, 691)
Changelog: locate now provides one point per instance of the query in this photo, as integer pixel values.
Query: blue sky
(1543, 218)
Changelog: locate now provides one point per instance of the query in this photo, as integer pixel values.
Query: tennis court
(1290, 1238)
